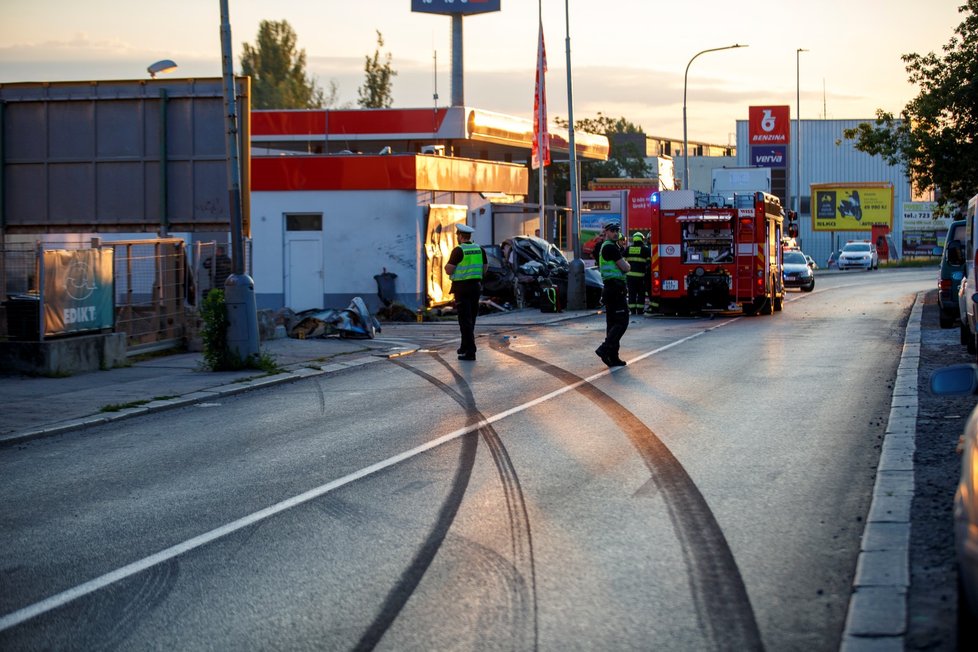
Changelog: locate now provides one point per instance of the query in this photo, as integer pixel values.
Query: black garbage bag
(385, 287)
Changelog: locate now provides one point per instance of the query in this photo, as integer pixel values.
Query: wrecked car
(523, 267)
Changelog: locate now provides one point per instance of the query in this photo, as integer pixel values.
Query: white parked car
(859, 254)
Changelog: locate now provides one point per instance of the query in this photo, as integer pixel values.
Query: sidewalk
(36, 406)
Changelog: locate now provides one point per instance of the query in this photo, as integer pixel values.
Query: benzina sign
(770, 125)
(455, 6)
(853, 207)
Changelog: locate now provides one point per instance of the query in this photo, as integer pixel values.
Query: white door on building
(304, 280)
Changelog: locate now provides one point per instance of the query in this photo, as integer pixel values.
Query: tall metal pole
(576, 292)
(231, 142)
(685, 139)
(541, 102)
(458, 57)
(572, 161)
(798, 129)
(239, 289)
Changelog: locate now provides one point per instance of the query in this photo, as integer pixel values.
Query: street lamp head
(685, 78)
(164, 65)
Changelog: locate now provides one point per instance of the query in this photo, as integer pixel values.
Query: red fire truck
(715, 253)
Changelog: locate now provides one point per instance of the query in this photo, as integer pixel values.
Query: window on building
(304, 222)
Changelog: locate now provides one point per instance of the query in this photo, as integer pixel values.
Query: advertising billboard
(769, 125)
(120, 156)
(851, 207)
(78, 291)
(923, 233)
(919, 216)
(455, 6)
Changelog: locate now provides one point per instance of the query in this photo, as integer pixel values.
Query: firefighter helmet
(638, 237)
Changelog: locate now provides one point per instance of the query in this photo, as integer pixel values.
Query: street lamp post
(798, 129)
(685, 139)
(576, 293)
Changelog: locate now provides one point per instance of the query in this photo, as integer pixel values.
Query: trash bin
(23, 317)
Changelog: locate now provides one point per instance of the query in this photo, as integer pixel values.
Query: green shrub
(218, 356)
(214, 334)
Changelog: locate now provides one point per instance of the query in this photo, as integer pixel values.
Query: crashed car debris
(354, 321)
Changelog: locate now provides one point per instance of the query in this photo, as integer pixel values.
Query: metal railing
(150, 279)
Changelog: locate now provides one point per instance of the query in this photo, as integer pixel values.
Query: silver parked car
(859, 254)
(963, 379)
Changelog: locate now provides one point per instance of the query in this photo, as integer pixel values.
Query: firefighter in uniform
(639, 256)
(613, 268)
(466, 266)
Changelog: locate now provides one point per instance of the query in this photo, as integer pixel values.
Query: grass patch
(912, 262)
(118, 407)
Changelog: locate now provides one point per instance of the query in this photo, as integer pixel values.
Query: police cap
(464, 228)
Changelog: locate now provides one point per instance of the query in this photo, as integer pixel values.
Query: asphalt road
(710, 495)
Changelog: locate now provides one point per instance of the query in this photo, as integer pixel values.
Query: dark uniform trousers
(616, 315)
(636, 293)
(467, 305)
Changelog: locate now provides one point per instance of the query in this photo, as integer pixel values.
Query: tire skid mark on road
(521, 540)
(718, 590)
(60, 599)
(521, 535)
(110, 618)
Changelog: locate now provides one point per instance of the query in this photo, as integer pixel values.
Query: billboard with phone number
(851, 207)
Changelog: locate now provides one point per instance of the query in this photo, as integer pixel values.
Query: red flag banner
(541, 138)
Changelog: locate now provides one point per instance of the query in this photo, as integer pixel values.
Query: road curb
(877, 614)
(198, 396)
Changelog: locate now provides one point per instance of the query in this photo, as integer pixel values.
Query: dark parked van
(952, 271)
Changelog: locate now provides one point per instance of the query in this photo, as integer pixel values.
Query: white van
(969, 285)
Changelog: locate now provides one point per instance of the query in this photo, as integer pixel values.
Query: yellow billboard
(851, 206)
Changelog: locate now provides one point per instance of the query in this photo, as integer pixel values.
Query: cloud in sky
(628, 62)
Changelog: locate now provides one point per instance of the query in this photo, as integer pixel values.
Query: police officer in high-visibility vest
(613, 268)
(466, 266)
(639, 256)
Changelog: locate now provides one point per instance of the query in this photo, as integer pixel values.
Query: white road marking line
(60, 599)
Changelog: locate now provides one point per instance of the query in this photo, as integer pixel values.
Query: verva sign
(770, 125)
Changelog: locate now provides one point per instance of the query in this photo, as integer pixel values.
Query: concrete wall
(363, 233)
(64, 356)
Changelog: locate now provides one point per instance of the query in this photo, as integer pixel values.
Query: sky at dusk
(628, 57)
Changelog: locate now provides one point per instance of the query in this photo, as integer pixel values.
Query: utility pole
(239, 289)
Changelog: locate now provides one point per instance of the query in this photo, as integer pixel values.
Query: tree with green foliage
(934, 137)
(624, 160)
(377, 89)
(278, 71)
